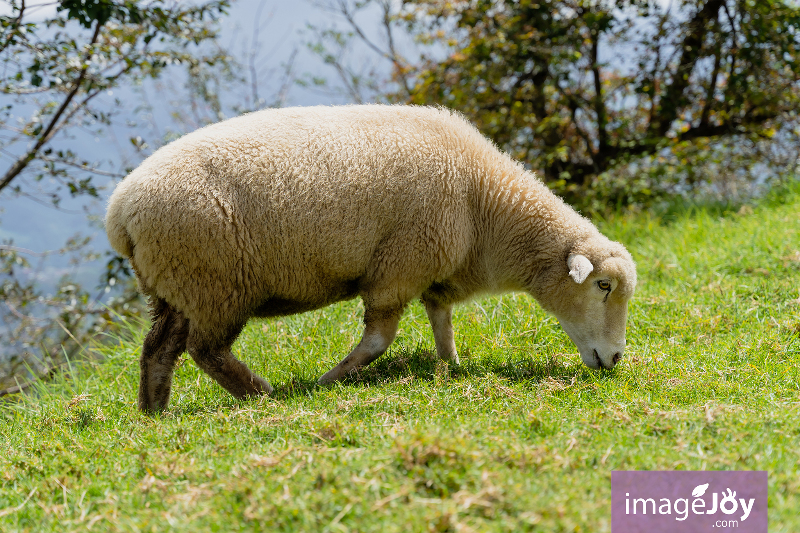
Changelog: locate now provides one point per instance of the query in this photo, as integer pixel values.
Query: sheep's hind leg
(379, 332)
(216, 360)
(441, 318)
(162, 346)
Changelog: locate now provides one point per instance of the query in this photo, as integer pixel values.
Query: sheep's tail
(116, 227)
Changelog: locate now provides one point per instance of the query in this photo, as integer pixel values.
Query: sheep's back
(294, 203)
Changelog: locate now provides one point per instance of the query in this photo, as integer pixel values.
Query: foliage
(56, 85)
(58, 70)
(578, 88)
(520, 437)
(41, 331)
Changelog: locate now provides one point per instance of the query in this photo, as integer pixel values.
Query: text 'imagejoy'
(688, 502)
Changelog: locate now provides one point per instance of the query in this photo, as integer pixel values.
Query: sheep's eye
(604, 285)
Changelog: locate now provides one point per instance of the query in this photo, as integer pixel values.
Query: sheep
(288, 210)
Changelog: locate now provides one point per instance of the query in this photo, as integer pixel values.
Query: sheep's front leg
(441, 318)
(379, 332)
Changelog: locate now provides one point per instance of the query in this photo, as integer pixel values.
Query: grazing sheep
(288, 210)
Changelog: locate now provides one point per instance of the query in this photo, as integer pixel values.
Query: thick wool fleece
(287, 210)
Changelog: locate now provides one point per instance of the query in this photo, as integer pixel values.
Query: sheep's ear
(579, 267)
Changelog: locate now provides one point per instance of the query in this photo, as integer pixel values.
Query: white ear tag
(579, 267)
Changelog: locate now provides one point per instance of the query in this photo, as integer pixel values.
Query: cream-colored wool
(288, 210)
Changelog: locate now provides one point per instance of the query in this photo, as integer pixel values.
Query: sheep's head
(595, 286)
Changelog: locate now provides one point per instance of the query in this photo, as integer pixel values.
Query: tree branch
(20, 164)
(392, 55)
(733, 53)
(14, 27)
(578, 171)
(573, 102)
(712, 86)
(399, 64)
(599, 103)
(288, 79)
(83, 167)
(673, 98)
(251, 58)
(654, 85)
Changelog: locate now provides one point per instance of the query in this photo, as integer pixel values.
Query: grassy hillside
(519, 437)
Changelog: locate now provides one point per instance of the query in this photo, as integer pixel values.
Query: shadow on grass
(422, 364)
(402, 365)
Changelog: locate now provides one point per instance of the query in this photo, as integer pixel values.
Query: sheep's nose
(616, 358)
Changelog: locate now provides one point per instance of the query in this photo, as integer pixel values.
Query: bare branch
(81, 166)
(399, 63)
(254, 46)
(18, 250)
(22, 316)
(348, 79)
(50, 205)
(288, 78)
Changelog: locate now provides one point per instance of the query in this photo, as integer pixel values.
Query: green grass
(519, 437)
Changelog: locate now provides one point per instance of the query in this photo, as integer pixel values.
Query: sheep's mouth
(598, 360)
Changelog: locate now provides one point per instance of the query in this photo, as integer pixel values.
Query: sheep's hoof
(330, 377)
(260, 387)
(450, 359)
(151, 407)
(151, 411)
